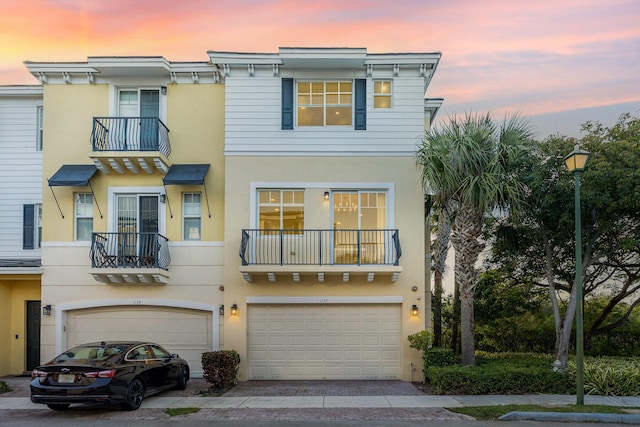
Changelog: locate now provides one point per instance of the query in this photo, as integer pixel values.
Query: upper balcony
(317, 252)
(130, 258)
(130, 143)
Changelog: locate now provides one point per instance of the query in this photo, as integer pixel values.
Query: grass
(4, 387)
(495, 412)
(172, 412)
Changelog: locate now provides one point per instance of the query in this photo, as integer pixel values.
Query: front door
(33, 334)
(140, 110)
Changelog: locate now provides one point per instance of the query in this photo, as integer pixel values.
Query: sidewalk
(327, 398)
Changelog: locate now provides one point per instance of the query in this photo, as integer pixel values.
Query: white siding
(252, 122)
(20, 165)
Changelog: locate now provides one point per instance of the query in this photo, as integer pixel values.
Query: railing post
(281, 247)
(358, 247)
(320, 247)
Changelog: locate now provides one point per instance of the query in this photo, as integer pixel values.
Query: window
(382, 94)
(281, 210)
(84, 216)
(31, 226)
(38, 229)
(39, 128)
(325, 103)
(191, 209)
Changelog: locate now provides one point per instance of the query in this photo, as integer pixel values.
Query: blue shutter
(28, 226)
(361, 104)
(287, 104)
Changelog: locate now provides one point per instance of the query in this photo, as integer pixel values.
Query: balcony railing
(130, 250)
(320, 247)
(130, 134)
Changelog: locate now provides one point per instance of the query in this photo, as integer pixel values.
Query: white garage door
(182, 331)
(318, 341)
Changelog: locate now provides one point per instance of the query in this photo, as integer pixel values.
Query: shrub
(501, 375)
(421, 341)
(220, 368)
(4, 387)
(609, 376)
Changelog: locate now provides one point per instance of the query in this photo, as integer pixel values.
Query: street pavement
(311, 400)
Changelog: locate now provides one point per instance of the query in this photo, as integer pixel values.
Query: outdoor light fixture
(163, 90)
(326, 195)
(46, 310)
(575, 162)
(221, 309)
(414, 310)
(234, 310)
(163, 198)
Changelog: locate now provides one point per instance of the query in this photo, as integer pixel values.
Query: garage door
(182, 331)
(319, 341)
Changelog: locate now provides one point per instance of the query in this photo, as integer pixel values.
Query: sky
(559, 63)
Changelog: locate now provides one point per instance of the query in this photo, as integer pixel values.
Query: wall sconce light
(234, 310)
(46, 310)
(414, 310)
(163, 198)
(326, 195)
(163, 90)
(221, 309)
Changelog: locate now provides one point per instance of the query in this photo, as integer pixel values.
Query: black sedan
(123, 372)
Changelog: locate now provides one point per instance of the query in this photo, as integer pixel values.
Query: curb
(572, 417)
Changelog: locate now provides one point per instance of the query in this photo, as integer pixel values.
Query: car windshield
(90, 352)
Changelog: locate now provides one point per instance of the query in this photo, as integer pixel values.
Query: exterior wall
(253, 121)
(23, 289)
(20, 165)
(316, 175)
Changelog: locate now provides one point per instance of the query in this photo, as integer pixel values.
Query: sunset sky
(559, 62)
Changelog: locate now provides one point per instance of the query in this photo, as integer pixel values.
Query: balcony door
(357, 218)
(137, 226)
(144, 106)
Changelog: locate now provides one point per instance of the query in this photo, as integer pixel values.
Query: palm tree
(468, 163)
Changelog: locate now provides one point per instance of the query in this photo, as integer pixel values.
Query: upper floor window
(32, 226)
(191, 213)
(84, 216)
(327, 103)
(39, 128)
(281, 209)
(382, 94)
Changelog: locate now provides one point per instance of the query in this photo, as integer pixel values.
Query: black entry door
(33, 334)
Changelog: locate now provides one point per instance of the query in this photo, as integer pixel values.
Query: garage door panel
(182, 331)
(349, 341)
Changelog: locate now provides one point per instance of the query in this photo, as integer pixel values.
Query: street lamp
(575, 162)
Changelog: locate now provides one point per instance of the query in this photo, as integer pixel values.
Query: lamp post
(575, 162)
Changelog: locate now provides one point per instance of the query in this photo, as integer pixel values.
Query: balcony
(130, 143)
(130, 258)
(320, 253)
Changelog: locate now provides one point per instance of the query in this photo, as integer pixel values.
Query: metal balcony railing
(320, 247)
(130, 134)
(130, 250)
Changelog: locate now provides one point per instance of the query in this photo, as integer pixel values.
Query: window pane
(310, 116)
(293, 218)
(84, 229)
(191, 229)
(338, 116)
(382, 102)
(269, 217)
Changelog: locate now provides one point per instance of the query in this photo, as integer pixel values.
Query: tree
(540, 248)
(468, 163)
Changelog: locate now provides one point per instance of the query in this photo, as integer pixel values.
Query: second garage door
(182, 331)
(321, 341)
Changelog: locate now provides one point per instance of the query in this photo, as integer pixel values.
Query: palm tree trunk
(441, 248)
(465, 239)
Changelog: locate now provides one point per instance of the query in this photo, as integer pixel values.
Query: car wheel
(58, 406)
(182, 379)
(135, 394)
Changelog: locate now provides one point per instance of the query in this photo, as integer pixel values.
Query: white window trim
(39, 127)
(184, 216)
(391, 97)
(389, 187)
(76, 217)
(114, 100)
(324, 124)
(112, 215)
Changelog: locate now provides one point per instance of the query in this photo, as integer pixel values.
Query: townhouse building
(325, 224)
(21, 121)
(132, 242)
(268, 203)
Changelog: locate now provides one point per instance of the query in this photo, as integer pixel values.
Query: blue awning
(73, 176)
(186, 175)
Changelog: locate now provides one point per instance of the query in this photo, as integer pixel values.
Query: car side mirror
(174, 356)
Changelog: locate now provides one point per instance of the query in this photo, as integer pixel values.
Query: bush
(501, 375)
(4, 387)
(421, 341)
(220, 368)
(609, 376)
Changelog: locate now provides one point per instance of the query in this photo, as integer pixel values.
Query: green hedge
(220, 368)
(4, 387)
